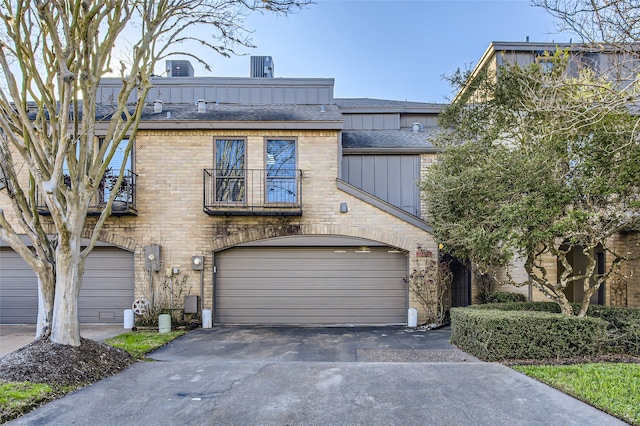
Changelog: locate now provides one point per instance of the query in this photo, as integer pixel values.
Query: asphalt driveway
(316, 376)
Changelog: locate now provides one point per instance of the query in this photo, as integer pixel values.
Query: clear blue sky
(395, 49)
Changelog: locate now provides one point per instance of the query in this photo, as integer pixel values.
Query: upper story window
(230, 178)
(113, 171)
(231, 188)
(281, 171)
(546, 64)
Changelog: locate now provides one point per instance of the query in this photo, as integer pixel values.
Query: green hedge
(521, 306)
(495, 335)
(624, 327)
(623, 323)
(500, 297)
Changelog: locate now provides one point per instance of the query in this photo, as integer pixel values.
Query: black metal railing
(253, 192)
(123, 204)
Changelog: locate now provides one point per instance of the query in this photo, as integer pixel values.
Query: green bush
(493, 335)
(623, 323)
(521, 306)
(500, 297)
(624, 327)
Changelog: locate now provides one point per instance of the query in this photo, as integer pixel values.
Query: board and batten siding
(310, 286)
(371, 121)
(392, 178)
(245, 91)
(107, 288)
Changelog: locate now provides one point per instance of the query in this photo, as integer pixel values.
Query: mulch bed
(43, 361)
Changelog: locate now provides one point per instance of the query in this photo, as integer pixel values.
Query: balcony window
(124, 202)
(230, 179)
(230, 188)
(281, 180)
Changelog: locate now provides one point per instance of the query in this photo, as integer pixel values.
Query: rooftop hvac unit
(179, 69)
(262, 66)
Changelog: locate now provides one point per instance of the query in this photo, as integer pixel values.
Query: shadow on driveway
(309, 344)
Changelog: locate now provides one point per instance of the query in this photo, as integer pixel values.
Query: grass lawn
(610, 387)
(17, 398)
(140, 343)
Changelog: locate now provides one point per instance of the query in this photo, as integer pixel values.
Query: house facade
(266, 198)
(269, 201)
(616, 65)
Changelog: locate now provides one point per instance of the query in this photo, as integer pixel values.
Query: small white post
(206, 318)
(413, 317)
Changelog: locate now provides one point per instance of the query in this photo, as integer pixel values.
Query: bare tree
(52, 57)
(615, 22)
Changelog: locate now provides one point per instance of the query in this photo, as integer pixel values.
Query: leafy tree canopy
(536, 160)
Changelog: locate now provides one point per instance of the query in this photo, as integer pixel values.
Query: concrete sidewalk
(301, 376)
(13, 337)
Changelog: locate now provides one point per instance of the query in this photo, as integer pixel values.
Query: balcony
(253, 192)
(123, 205)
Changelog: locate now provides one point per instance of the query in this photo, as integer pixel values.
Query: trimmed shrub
(494, 335)
(624, 327)
(521, 306)
(500, 297)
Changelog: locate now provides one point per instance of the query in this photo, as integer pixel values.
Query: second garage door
(107, 288)
(311, 285)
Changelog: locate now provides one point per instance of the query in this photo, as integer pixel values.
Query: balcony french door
(281, 179)
(230, 179)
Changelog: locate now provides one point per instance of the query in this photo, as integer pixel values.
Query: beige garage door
(107, 288)
(311, 285)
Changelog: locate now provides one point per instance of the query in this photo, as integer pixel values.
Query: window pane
(230, 155)
(281, 171)
(118, 157)
(230, 173)
(125, 193)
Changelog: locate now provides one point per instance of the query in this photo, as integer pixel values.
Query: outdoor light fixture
(344, 208)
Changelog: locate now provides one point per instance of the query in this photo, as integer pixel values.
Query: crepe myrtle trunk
(65, 329)
(46, 286)
(563, 302)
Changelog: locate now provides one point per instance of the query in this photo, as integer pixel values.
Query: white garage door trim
(311, 286)
(107, 288)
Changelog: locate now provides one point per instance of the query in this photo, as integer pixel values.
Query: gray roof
(235, 112)
(385, 104)
(388, 139)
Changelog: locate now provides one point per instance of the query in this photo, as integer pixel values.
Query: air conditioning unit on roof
(262, 66)
(179, 69)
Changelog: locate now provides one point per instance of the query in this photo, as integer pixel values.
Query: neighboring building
(281, 204)
(610, 61)
(619, 66)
